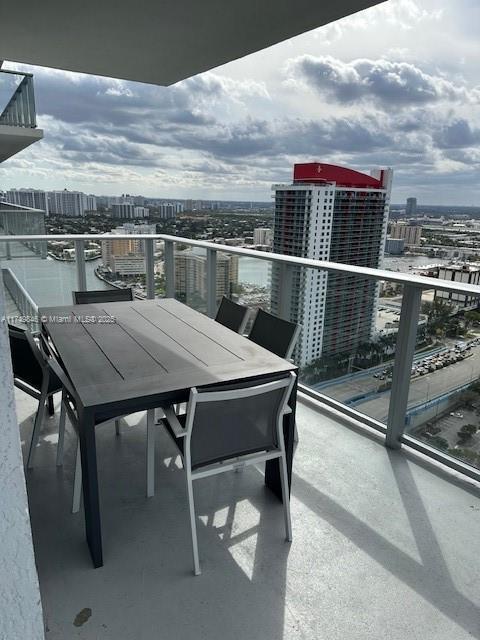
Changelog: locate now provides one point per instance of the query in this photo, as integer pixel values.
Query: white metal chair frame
(69, 405)
(240, 461)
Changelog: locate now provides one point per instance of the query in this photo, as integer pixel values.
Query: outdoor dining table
(124, 357)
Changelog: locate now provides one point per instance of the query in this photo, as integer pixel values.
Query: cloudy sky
(396, 85)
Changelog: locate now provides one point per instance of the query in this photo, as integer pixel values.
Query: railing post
(285, 290)
(211, 282)
(404, 352)
(169, 265)
(31, 102)
(150, 267)
(80, 261)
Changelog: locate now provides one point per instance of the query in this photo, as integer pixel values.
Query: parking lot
(448, 426)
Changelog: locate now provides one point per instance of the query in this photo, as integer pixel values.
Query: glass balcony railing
(387, 349)
(20, 109)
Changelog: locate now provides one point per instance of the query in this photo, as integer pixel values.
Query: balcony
(18, 122)
(383, 544)
(370, 521)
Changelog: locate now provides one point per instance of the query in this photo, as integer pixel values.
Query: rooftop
(383, 546)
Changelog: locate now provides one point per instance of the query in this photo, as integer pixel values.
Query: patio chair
(70, 403)
(277, 335)
(229, 427)
(107, 295)
(33, 374)
(232, 315)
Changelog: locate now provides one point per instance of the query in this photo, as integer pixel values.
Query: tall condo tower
(340, 215)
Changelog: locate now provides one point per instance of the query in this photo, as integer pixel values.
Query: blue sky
(396, 85)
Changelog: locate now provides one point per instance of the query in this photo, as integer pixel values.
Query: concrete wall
(20, 606)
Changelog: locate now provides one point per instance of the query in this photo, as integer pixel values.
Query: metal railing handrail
(17, 73)
(419, 282)
(21, 288)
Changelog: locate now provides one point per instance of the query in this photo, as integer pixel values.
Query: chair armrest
(172, 419)
(287, 411)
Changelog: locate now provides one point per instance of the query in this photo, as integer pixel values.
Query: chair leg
(285, 497)
(37, 427)
(77, 482)
(61, 432)
(295, 434)
(150, 453)
(117, 426)
(193, 524)
(51, 407)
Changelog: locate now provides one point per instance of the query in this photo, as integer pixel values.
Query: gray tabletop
(123, 351)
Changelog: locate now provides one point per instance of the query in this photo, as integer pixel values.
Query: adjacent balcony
(18, 120)
(384, 536)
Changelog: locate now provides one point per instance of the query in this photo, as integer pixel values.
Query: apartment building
(33, 198)
(410, 233)
(337, 214)
(262, 236)
(123, 247)
(68, 203)
(190, 275)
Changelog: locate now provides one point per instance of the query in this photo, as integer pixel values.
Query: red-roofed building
(335, 214)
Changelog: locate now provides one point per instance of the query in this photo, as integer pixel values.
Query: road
(428, 386)
(358, 384)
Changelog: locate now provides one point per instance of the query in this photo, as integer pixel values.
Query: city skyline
(395, 85)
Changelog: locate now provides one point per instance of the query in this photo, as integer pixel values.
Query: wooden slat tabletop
(152, 348)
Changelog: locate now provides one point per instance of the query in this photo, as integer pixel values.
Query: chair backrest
(28, 362)
(108, 295)
(236, 420)
(277, 335)
(232, 315)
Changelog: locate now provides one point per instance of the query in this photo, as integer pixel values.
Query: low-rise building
(466, 273)
(394, 246)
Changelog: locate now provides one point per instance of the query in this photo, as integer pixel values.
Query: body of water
(253, 271)
(51, 282)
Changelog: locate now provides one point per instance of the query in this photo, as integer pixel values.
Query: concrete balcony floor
(384, 548)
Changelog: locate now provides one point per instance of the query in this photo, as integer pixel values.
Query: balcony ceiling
(156, 42)
(15, 139)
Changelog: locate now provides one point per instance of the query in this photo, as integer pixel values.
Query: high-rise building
(123, 211)
(412, 234)
(141, 212)
(190, 276)
(91, 202)
(169, 210)
(68, 203)
(411, 208)
(33, 198)
(262, 236)
(337, 214)
(125, 246)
